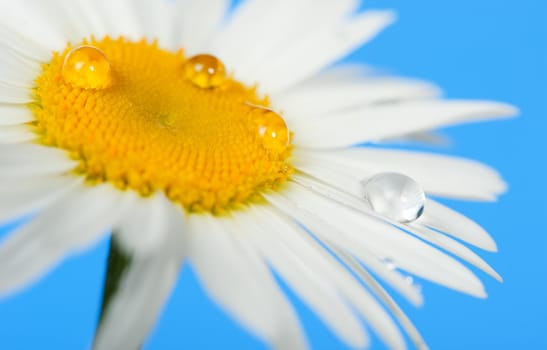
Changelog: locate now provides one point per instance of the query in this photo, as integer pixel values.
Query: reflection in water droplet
(87, 67)
(396, 196)
(390, 264)
(205, 71)
(271, 128)
(409, 280)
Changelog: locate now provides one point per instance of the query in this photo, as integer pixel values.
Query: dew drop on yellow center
(150, 120)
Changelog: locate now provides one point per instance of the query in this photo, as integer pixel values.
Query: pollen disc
(136, 118)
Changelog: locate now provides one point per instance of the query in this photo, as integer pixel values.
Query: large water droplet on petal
(394, 195)
(205, 71)
(271, 128)
(87, 67)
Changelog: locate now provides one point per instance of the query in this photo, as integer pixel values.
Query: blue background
(473, 49)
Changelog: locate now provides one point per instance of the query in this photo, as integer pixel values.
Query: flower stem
(117, 265)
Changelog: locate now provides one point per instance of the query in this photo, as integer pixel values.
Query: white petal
(72, 224)
(93, 18)
(236, 278)
(312, 54)
(440, 175)
(275, 25)
(74, 20)
(25, 46)
(151, 232)
(13, 94)
(195, 24)
(363, 235)
(89, 20)
(292, 265)
(138, 302)
(65, 17)
(143, 229)
(384, 296)
(113, 24)
(452, 246)
(29, 160)
(149, 223)
(24, 196)
(14, 114)
(102, 17)
(455, 224)
(339, 73)
(435, 215)
(21, 17)
(388, 121)
(16, 134)
(313, 99)
(16, 74)
(392, 277)
(431, 138)
(323, 264)
(249, 23)
(156, 20)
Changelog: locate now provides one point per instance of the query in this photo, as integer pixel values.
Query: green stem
(117, 265)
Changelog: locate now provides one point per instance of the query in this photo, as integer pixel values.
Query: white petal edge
(196, 22)
(449, 221)
(22, 45)
(72, 224)
(23, 18)
(319, 293)
(250, 23)
(14, 114)
(314, 53)
(29, 160)
(437, 216)
(152, 231)
(14, 134)
(384, 296)
(364, 235)
(371, 124)
(473, 234)
(24, 196)
(439, 175)
(323, 263)
(149, 224)
(312, 99)
(238, 281)
(14, 94)
(156, 20)
(138, 303)
(16, 74)
(393, 278)
(452, 246)
(150, 278)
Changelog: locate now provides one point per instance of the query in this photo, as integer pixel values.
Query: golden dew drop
(205, 71)
(87, 67)
(271, 129)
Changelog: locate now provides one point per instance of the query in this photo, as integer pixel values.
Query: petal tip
(501, 109)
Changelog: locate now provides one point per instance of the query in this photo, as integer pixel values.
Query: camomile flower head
(227, 139)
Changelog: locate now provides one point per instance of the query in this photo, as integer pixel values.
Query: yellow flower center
(151, 120)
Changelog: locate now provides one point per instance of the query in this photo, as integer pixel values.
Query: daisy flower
(226, 140)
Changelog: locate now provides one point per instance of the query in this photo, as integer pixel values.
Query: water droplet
(271, 128)
(396, 196)
(205, 71)
(390, 264)
(409, 280)
(87, 67)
